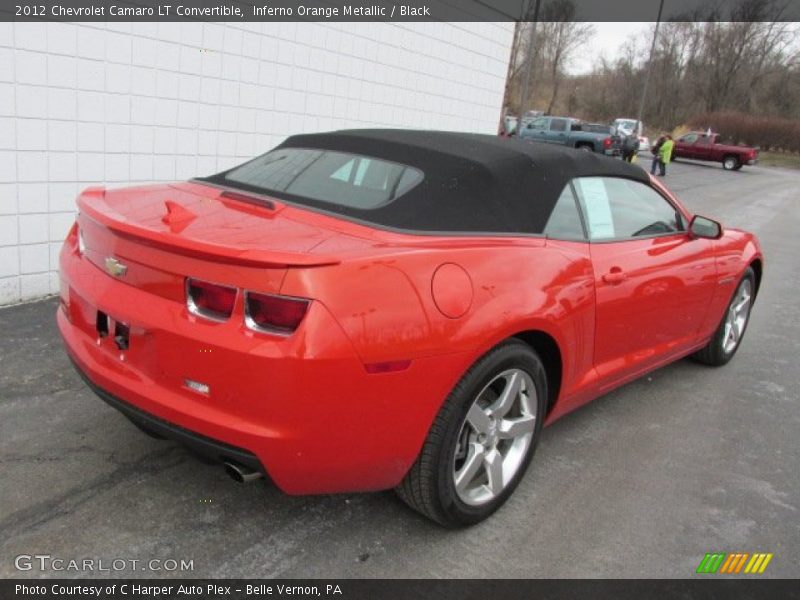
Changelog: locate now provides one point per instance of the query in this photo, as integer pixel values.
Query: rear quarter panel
(386, 306)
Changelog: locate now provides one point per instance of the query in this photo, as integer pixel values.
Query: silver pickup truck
(572, 132)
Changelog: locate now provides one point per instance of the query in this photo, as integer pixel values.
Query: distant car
(611, 130)
(635, 127)
(632, 127)
(374, 309)
(570, 132)
(629, 126)
(702, 146)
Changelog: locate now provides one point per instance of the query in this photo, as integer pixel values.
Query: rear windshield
(339, 178)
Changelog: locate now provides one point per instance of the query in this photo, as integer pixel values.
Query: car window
(689, 138)
(616, 208)
(565, 220)
(558, 125)
(538, 124)
(335, 177)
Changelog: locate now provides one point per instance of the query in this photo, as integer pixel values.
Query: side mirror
(703, 227)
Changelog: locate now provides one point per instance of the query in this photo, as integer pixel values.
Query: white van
(627, 126)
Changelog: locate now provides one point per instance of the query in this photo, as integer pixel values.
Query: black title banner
(351, 589)
(412, 10)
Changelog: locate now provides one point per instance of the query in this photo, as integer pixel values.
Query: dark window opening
(349, 180)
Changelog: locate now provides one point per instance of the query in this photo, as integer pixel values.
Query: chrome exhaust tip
(240, 473)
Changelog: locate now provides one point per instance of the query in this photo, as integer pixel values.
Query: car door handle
(614, 276)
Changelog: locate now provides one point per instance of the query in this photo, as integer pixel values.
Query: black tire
(731, 163)
(585, 147)
(429, 486)
(714, 353)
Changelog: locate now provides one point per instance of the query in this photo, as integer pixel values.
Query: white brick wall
(122, 103)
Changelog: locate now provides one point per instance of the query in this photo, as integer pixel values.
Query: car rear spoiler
(92, 204)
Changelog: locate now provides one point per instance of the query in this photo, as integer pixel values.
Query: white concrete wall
(88, 104)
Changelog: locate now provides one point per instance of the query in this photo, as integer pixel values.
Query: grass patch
(779, 159)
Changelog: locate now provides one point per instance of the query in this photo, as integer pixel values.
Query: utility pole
(527, 81)
(649, 68)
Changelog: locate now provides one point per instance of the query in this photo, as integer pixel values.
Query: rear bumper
(212, 449)
(303, 406)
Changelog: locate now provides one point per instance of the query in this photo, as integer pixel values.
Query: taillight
(273, 314)
(607, 143)
(210, 300)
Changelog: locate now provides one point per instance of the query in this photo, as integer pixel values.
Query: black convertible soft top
(472, 182)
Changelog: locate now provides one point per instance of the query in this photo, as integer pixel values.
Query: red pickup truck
(701, 146)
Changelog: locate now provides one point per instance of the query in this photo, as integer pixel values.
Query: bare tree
(738, 56)
(547, 53)
(562, 36)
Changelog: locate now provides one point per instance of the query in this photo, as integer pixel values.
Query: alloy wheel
(736, 318)
(495, 437)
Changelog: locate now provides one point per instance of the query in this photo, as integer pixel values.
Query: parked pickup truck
(701, 146)
(570, 132)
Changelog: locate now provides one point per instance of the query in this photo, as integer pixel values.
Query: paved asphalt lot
(641, 483)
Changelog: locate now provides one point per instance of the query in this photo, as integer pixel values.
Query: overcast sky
(608, 41)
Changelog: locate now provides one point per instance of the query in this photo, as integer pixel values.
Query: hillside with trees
(743, 73)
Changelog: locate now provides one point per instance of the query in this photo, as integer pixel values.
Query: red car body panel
(346, 401)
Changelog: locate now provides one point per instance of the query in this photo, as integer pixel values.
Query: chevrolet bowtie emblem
(115, 268)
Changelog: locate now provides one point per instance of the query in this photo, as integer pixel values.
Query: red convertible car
(374, 309)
